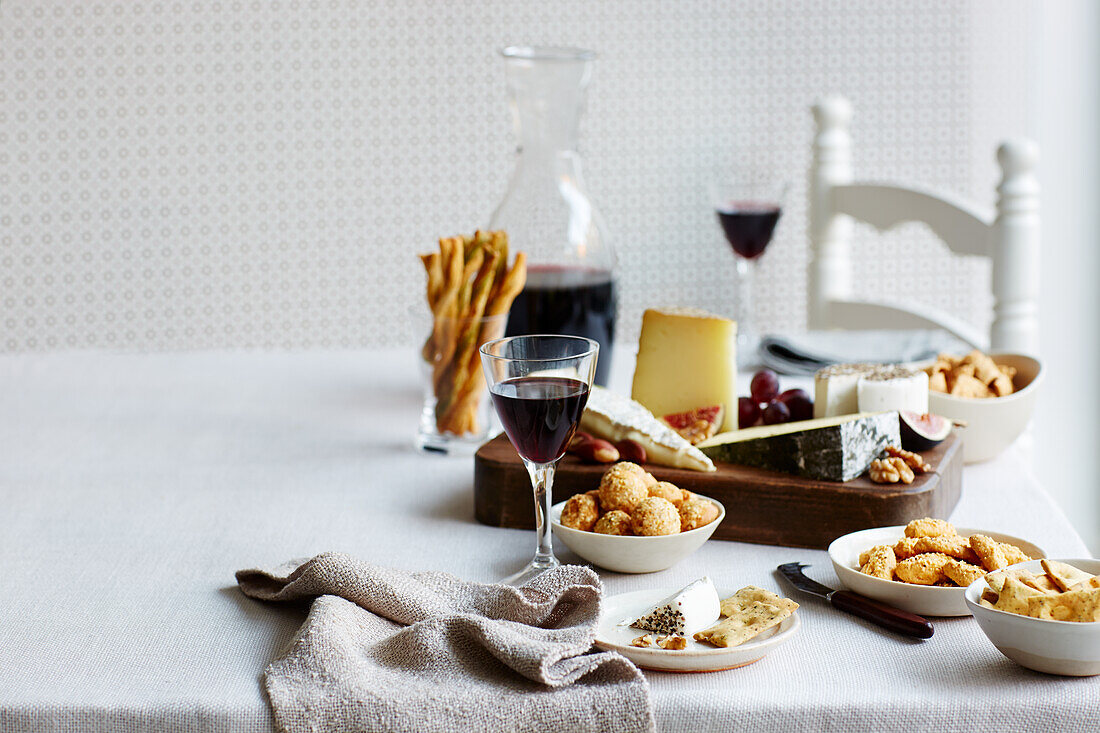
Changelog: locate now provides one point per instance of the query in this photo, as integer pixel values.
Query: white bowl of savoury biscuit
(993, 423)
(1070, 647)
(925, 600)
(634, 554)
(633, 523)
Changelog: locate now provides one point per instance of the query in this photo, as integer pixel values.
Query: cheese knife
(888, 617)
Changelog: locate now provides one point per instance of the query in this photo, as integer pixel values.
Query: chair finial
(832, 111)
(1017, 156)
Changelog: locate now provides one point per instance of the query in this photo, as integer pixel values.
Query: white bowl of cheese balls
(633, 523)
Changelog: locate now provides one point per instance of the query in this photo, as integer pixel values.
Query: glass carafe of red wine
(546, 210)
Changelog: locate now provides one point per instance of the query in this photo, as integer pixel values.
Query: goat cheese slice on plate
(692, 608)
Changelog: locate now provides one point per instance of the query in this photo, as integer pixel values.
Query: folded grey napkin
(806, 353)
(387, 650)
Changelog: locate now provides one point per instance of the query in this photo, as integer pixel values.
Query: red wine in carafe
(748, 226)
(540, 414)
(569, 301)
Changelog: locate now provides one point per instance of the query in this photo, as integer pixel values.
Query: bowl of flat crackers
(990, 396)
(1043, 614)
(925, 566)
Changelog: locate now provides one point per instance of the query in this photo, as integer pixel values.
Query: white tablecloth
(132, 487)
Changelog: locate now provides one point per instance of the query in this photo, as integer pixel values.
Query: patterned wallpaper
(233, 173)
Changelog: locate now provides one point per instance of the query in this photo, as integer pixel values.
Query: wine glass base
(534, 568)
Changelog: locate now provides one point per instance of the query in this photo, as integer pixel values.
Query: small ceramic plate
(697, 657)
(920, 599)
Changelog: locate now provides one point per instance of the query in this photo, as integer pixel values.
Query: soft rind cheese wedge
(893, 388)
(830, 449)
(692, 608)
(613, 417)
(687, 358)
(836, 389)
(846, 389)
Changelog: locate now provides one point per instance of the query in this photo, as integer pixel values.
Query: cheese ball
(665, 490)
(633, 469)
(655, 516)
(622, 488)
(580, 512)
(696, 513)
(615, 521)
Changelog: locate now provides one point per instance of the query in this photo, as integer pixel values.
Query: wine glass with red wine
(539, 385)
(748, 211)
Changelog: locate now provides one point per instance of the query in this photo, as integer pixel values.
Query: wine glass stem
(746, 329)
(542, 482)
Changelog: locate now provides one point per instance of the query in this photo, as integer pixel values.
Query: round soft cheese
(893, 388)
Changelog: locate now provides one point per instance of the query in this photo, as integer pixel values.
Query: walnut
(672, 642)
(891, 471)
(913, 460)
(643, 641)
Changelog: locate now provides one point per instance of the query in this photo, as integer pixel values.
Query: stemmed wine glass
(748, 211)
(540, 386)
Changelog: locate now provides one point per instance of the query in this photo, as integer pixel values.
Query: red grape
(776, 413)
(764, 386)
(799, 403)
(748, 412)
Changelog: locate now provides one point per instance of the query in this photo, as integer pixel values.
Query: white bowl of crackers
(994, 395)
(1043, 614)
(925, 566)
(633, 523)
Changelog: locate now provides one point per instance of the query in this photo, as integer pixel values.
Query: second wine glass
(748, 211)
(539, 385)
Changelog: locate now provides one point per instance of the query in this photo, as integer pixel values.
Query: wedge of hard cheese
(613, 417)
(687, 358)
(830, 449)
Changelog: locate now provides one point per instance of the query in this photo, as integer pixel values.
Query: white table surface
(133, 486)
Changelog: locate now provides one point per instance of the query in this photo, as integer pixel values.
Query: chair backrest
(1009, 235)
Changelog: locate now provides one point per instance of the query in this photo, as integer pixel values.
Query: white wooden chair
(1009, 235)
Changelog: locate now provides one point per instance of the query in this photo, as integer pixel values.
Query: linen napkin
(804, 354)
(387, 650)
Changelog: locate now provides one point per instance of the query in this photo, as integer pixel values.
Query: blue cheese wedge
(693, 608)
(613, 417)
(830, 449)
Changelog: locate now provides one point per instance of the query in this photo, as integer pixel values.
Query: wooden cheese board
(762, 506)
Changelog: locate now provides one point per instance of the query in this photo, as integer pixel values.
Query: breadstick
(451, 249)
(455, 374)
(466, 393)
(513, 283)
(469, 280)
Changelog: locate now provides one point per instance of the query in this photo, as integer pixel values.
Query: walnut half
(891, 471)
(913, 460)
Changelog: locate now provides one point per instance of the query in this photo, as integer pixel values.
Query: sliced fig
(922, 432)
(697, 425)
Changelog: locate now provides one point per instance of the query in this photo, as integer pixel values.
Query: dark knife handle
(888, 617)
